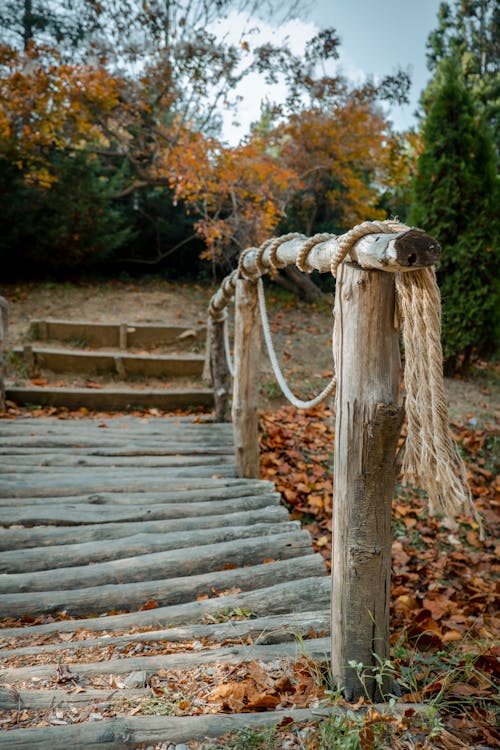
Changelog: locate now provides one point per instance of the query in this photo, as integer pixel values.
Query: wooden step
(110, 399)
(121, 335)
(112, 362)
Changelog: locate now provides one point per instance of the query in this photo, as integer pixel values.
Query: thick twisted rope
(431, 459)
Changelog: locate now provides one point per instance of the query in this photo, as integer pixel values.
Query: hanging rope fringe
(431, 459)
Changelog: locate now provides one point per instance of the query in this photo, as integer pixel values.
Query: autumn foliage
(141, 135)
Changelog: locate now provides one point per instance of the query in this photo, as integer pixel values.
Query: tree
(60, 227)
(61, 23)
(469, 30)
(150, 103)
(342, 157)
(56, 195)
(456, 199)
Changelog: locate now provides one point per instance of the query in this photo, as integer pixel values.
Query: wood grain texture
(246, 379)
(368, 422)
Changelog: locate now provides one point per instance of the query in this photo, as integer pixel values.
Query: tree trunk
(299, 283)
(246, 379)
(368, 424)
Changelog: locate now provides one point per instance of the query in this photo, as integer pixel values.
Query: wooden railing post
(4, 325)
(368, 423)
(246, 378)
(221, 377)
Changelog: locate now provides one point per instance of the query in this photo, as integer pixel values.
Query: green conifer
(456, 200)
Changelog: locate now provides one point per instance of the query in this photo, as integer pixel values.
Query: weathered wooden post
(219, 370)
(4, 325)
(246, 378)
(369, 416)
(368, 424)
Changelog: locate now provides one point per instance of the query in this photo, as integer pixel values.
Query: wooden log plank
(83, 553)
(294, 596)
(108, 334)
(11, 698)
(43, 453)
(176, 466)
(219, 491)
(75, 514)
(15, 538)
(152, 365)
(109, 399)
(144, 425)
(175, 590)
(158, 445)
(271, 629)
(122, 432)
(171, 564)
(316, 648)
(46, 463)
(125, 732)
(94, 481)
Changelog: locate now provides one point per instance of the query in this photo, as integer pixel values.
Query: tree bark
(368, 423)
(246, 379)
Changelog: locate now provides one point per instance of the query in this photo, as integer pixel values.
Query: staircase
(135, 564)
(110, 366)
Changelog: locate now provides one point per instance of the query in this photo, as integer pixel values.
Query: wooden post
(29, 360)
(246, 378)
(4, 325)
(368, 423)
(221, 377)
(123, 336)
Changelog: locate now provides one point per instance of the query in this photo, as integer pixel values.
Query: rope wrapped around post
(430, 458)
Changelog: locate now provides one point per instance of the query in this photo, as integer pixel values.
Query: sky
(377, 37)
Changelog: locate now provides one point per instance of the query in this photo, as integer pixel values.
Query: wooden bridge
(157, 533)
(139, 528)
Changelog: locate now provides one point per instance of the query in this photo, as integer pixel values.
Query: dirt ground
(302, 333)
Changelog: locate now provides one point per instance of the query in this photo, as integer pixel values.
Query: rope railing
(430, 457)
(280, 378)
(386, 287)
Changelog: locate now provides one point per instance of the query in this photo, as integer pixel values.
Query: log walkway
(140, 530)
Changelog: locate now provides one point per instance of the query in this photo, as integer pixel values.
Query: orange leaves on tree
(344, 158)
(238, 193)
(47, 104)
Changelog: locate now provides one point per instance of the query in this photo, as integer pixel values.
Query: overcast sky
(377, 36)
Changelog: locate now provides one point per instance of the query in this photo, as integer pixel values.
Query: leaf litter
(444, 620)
